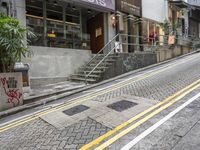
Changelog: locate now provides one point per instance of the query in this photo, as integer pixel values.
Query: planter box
(11, 94)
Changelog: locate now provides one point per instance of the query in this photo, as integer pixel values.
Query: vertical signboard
(10, 90)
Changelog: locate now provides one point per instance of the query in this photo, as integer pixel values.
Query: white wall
(154, 9)
(55, 62)
(194, 2)
(21, 11)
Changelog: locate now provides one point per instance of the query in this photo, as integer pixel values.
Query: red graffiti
(13, 95)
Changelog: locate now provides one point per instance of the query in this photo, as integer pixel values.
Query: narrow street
(131, 112)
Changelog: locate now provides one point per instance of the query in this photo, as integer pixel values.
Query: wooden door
(95, 27)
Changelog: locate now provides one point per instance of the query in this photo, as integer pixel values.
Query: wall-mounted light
(74, 8)
(113, 20)
(89, 11)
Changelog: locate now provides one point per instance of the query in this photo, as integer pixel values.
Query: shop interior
(63, 24)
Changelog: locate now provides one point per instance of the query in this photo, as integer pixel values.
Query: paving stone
(49, 137)
(39, 134)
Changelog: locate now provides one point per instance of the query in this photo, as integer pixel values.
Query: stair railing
(105, 46)
(96, 56)
(102, 60)
(153, 47)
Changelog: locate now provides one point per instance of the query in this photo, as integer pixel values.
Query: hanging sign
(101, 4)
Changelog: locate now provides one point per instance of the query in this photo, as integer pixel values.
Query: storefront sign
(129, 6)
(105, 4)
(98, 32)
(51, 35)
(171, 39)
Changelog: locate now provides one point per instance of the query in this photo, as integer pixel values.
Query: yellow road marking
(109, 133)
(129, 129)
(78, 100)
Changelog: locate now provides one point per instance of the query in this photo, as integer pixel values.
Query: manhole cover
(121, 105)
(75, 110)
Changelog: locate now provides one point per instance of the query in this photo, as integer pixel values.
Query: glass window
(34, 20)
(73, 27)
(65, 24)
(55, 25)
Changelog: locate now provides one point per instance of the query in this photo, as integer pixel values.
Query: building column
(20, 10)
(45, 22)
(131, 29)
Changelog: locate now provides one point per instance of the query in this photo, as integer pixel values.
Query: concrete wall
(48, 62)
(169, 53)
(154, 9)
(128, 62)
(131, 61)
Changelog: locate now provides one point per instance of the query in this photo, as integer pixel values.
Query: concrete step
(94, 72)
(106, 60)
(88, 68)
(102, 64)
(82, 79)
(83, 75)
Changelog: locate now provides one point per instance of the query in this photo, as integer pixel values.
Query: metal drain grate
(75, 110)
(122, 105)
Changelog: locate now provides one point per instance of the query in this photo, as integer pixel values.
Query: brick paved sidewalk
(61, 131)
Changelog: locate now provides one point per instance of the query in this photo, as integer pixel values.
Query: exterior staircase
(93, 71)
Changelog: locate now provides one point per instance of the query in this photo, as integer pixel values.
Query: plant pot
(11, 94)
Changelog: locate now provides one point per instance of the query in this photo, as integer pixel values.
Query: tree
(13, 44)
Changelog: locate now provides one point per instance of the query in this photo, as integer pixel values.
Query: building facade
(153, 17)
(66, 31)
(194, 19)
(128, 14)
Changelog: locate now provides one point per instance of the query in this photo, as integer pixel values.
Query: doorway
(95, 28)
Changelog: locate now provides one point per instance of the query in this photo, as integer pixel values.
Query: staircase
(90, 75)
(94, 69)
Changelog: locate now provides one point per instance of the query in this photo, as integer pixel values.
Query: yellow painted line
(78, 100)
(109, 133)
(129, 129)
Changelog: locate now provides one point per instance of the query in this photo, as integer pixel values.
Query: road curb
(59, 94)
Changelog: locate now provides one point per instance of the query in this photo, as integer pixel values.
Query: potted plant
(13, 46)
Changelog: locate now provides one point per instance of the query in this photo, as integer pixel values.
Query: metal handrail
(101, 61)
(153, 45)
(100, 51)
(103, 48)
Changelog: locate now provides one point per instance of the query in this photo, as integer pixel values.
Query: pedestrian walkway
(50, 89)
(94, 114)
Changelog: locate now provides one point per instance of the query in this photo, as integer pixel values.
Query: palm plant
(13, 43)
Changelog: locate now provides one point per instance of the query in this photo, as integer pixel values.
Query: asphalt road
(170, 114)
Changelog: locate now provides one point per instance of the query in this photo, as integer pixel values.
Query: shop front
(128, 23)
(194, 23)
(73, 24)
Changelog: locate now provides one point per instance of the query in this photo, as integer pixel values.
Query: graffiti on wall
(132, 62)
(10, 89)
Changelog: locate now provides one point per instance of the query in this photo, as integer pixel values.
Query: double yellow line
(83, 98)
(78, 100)
(150, 112)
